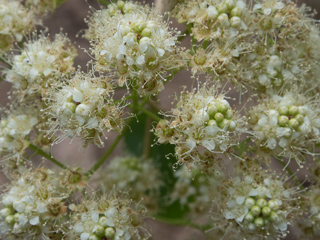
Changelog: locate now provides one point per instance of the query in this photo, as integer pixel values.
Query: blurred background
(70, 18)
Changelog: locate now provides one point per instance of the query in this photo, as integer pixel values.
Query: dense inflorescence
(83, 106)
(135, 44)
(287, 126)
(202, 119)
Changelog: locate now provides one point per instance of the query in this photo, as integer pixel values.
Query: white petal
(140, 60)
(210, 145)
(34, 221)
(191, 144)
(272, 143)
(240, 200)
(84, 236)
(267, 11)
(161, 52)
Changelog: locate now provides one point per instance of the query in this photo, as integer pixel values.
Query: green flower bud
(212, 123)
(6, 212)
(222, 8)
(224, 124)
(230, 4)
(262, 202)
(283, 110)
(120, 4)
(223, 108)
(249, 217)
(274, 217)
(283, 121)
(224, 20)
(99, 231)
(229, 114)
(219, 117)
(103, 221)
(273, 204)
(93, 237)
(259, 222)
(109, 232)
(266, 211)
(293, 110)
(10, 219)
(212, 110)
(256, 210)
(235, 22)
(294, 123)
(70, 106)
(300, 118)
(232, 126)
(146, 32)
(249, 203)
(236, 12)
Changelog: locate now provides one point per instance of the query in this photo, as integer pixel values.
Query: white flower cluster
(288, 125)
(14, 132)
(32, 207)
(201, 119)
(260, 204)
(195, 190)
(138, 46)
(16, 21)
(41, 63)
(213, 18)
(109, 217)
(138, 177)
(84, 107)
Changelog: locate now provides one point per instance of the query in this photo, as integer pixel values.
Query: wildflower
(211, 19)
(287, 126)
(110, 216)
(16, 21)
(137, 176)
(201, 119)
(257, 203)
(31, 208)
(138, 46)
(41, 64)
(83, 106)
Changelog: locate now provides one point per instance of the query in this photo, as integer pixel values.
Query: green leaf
(163, 158)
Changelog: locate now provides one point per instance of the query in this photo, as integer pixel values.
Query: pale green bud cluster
(210, 16)
(122, 6)
(262, 212)
(201, 119)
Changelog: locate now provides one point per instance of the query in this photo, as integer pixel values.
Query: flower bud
(259, 222)
(256, 210)
(266, 211)
(235, 22)
(219, 117)
(109, 232)
(293, 110)
(283, 120)
(212, 12)
(262, 202)
(224, 20)
(250, 202)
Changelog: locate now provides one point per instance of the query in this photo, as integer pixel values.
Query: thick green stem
(39, 151)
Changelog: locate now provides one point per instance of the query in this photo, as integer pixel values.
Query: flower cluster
(258, 204)
(195, 190)
(287, 125)
(41, 64)
(83, 106)
(16, 21)
(213, 18)
(109, 217)
(136, 176)
(137, 45)
(33, 206)
(14, 132)
(204, 119)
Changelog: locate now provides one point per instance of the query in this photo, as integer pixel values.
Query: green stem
(147, 138)
(39, 151)
(147, 112)
(104, 157)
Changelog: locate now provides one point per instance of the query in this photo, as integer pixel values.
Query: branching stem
(39, 151)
